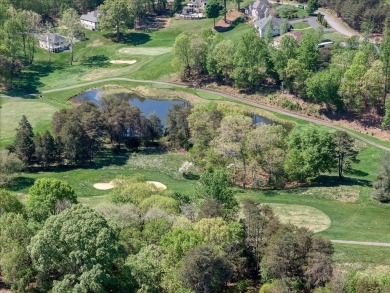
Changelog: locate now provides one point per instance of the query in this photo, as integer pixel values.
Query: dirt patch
(231, 17)
(145, 51)
(123, 61)
(104, 186)
(96, 43)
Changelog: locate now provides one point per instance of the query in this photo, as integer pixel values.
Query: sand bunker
(123, 61)
(145, 51)
(157, 185)
(110, 185)
(104, 186)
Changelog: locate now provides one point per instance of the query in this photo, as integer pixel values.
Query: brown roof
(295, 35)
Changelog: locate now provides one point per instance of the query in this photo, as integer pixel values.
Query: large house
(195, 6)
(263, 23)
(52, 42)
(259, 9)
(90, 20)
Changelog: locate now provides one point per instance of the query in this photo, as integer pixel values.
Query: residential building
(259, 9)
(262, 25)
(195, 6)
(52, 42)
(90, 20)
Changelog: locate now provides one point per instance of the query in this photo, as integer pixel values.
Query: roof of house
(52, 38)
(263, 22)
(295, 35)
(261, 5)
(92, 16)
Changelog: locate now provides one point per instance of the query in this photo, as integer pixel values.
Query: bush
(164, 203)
(134, 193)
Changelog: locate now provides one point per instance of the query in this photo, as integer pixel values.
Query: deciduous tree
(45, 196)
(77, 251)
(346, 151)
(213, 8)
(205, 270)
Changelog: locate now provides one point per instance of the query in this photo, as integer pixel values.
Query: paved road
(312, 21)
(249, 102)
(382, 244)
(332, 21)
(336, 25)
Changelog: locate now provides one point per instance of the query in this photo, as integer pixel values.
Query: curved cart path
(235, 98)
(382, 244)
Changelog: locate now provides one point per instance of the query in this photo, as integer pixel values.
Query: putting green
(302, 216)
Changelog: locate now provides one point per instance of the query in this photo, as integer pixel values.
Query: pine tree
(45, 149)
(24, 143)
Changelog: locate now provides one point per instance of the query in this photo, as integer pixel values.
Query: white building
(52, 42)
(90, 20)
(262, 25)
(195, 6)
(259, 9)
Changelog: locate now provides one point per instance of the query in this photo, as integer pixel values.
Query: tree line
(258, 155)
(147, 240)
(352, 77)
(217, 136)
(79, 133)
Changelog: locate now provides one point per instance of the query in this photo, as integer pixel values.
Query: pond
(146, 105)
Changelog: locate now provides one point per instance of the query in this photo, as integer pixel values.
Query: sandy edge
(123, 61)
(110, 185)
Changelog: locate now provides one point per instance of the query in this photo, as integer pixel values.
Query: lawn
(300, 25)
(37, 111)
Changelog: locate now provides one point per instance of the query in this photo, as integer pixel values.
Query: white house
(52, 42)
(90, 20)
(259, 9)
(195, 6)
(262, 25)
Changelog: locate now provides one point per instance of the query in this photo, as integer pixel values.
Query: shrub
(134, 193)
(161, 202)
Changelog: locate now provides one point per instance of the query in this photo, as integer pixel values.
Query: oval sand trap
(123, 61)
(302, 216)
(145, 51)
(157, 185)
(104, 186)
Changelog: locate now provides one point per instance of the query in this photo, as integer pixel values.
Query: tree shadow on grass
(321, 181)
(20, 183)
(132, 38)
(96, 61)
(30, 78)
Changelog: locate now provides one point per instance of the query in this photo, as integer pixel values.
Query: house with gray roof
(260, 9)
(90, 20)
(262, 24)
(52, 42)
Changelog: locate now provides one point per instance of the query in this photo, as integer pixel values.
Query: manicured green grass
(37, 111)
(162, 167)
(367, 255)
(300, 25)
(334, 36)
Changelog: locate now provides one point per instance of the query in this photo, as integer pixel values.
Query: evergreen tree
(45, 149)
(24, 143)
